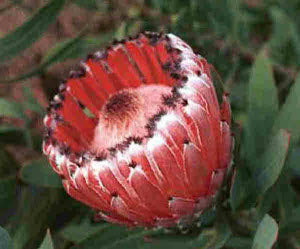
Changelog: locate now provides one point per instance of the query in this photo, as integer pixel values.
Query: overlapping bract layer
(159, 179)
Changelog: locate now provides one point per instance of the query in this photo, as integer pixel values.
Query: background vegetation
(255, 48)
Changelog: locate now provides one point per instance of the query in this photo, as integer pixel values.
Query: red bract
(138, 134)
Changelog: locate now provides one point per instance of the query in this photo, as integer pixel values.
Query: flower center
(121, 105)
(126, 113)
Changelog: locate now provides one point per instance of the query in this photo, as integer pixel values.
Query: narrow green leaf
(40, 173)
(292, 225)
(281, 25)
(285, 196)
(80, 48)
(47, 242)
(38, 211)
(89, 4)
(208, 217)
(72, 48)
(266, 233)
(240, 188)
(114, 237)
(271, 162)
(262, 107)
(162, 241)
(296, 40)
(246, 189)
(293, 161)
(289, 117)
(266, 202)
(5, 128)
(213, 237)
(30, 101)
(239, 243)
(121, 31)
(25, 35)
(281, 192)
(54, 58)
(8, 191)
(10, 108)
(5, 240)
(12, 135)
(235, 17)
(8, 165)
(79, 232)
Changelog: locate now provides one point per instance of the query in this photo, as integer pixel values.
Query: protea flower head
(138, 134)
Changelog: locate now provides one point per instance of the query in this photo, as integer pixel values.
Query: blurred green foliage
(255, 48)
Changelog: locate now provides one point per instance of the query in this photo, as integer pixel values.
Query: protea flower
(138, 134)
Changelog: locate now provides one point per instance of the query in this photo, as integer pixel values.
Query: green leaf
(47, 242)
(270, 166)
(40, 173)
(240, 188)
(12, 135)
(78, 49)
(60, 53)
(89, 4)
(30, 101)
(289, 117)
(283, 24)
(293, 161)
(5, 240)
(266, 233)
(162, 241)
(213, 237)
(8, 164)
(267, 201)
(271, 162)
(238, 243)
(208, 217)
(285, 196)
(5, 128)
(10, 108)
(296, 41)
(72, 48)
(292, 225)
(115, 237)
(8, 192)
(262, 107)
(25, 35)
(38, 211)
(79, 232)
(234, 6)
(121, 31)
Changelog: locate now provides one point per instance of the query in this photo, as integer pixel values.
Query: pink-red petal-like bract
(138, 133)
